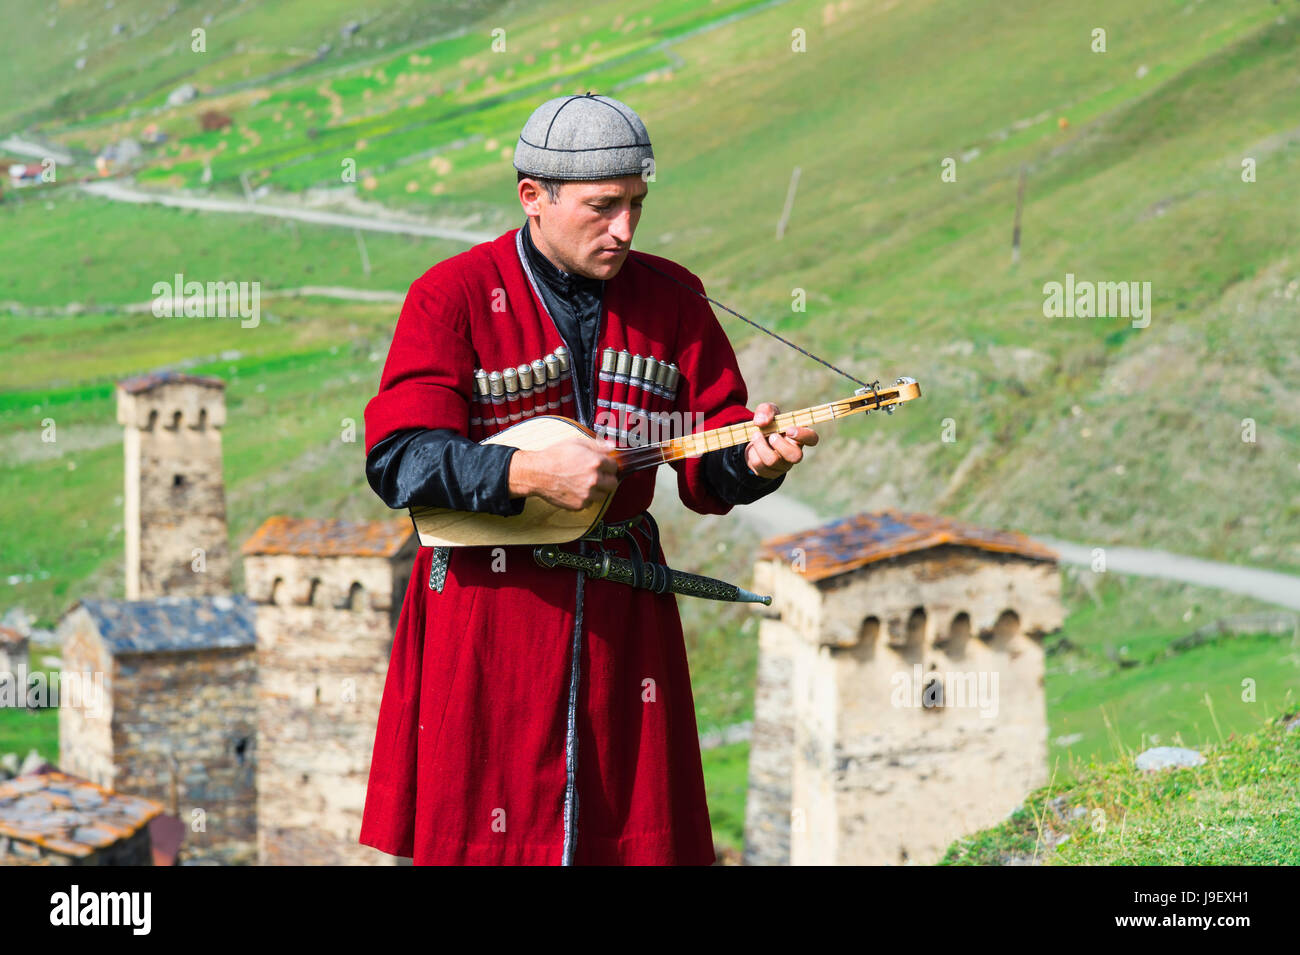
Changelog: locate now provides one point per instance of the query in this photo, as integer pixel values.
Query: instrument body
(541, 522)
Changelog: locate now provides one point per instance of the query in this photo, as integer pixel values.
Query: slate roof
(152, 380)
(326, 537)
(173, 623)
(69, 815)
(852, 542)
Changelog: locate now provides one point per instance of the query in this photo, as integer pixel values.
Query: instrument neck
(693, 445)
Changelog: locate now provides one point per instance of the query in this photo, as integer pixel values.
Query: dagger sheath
(620, 570)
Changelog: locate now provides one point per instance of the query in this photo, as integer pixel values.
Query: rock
(32, 763)
(725, 855)
(182, 94)
(16, 618)
(349, 28)
(1168, 757)
(128, 150)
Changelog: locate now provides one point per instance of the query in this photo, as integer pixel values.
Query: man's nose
(621, 228)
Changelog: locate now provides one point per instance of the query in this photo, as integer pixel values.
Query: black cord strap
(838, 371)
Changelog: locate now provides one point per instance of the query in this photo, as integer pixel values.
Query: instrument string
(662, 452)
(838, 371)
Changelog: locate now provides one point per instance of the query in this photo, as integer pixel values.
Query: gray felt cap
(583, 137)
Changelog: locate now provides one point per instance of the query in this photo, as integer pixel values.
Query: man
(532, 715)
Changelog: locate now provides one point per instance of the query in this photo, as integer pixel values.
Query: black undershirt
(441, 468)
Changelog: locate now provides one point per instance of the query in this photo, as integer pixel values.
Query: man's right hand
(573, 474)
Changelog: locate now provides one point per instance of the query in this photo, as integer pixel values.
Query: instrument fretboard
(693, 445)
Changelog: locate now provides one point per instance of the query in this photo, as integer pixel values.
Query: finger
(765, 413)
(764, 471)
(802, 435)
(767, 455)
(788, 450)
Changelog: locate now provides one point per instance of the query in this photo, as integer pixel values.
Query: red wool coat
(469, 762)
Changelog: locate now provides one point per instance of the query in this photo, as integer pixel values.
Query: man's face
(589, 219)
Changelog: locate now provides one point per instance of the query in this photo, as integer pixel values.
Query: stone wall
(185, 734)
(176, 727)
(771, 749)
(86, 738)
(13, 654)
(325, 630)
(874, 775)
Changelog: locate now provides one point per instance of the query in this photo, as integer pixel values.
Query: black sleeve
(442, 468)
(732, 480)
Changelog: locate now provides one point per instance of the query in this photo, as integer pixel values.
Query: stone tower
(175, 500)
(159, 700)
(900, 700)
(328, 595)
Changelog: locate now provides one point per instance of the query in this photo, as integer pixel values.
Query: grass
(726, 780)
(1235, 809)
(135, 69)
(23, 730)
(1115, 683)
(1143, 184)
(78, 248)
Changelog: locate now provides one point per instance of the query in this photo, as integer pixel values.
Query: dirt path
(1267, 585)
(118, 192)
(778, 514)
(379, 296)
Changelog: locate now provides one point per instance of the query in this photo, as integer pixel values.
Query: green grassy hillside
(1085, 429)
(1235, 809)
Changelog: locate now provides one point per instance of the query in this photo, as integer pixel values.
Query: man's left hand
(771, 455)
